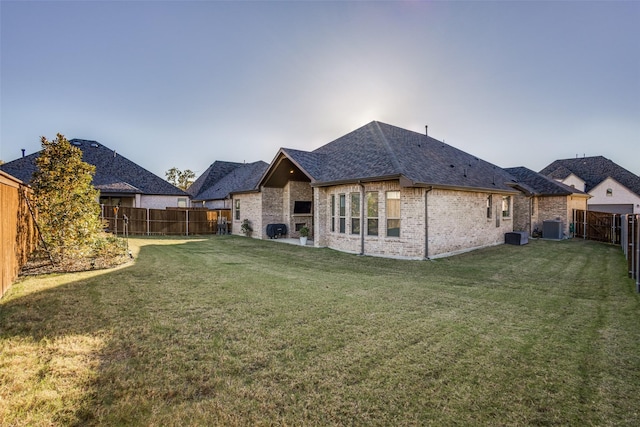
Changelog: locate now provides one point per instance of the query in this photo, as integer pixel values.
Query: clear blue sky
(186, 83)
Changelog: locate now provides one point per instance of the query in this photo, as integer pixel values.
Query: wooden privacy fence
(18, 234)
(600, 226)
(623, 230)
(171, 221)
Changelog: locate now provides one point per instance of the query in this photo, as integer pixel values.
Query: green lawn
(233, 331)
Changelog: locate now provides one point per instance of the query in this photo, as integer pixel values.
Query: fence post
(637, 244)
(187, 220)
(584, 224)
(148, 223)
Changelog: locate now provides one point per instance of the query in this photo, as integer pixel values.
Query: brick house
(543, 198)
(120, 181)
(385, 191)
(612, 188)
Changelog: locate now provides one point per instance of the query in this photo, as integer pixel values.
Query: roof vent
(76, 143)
(95, 145)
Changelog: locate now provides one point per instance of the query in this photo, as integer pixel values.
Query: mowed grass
(233, 331)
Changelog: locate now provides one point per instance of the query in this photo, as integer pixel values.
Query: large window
(342, 207)
(355, 213)
(506, 206)
(237, 209)
(393, 213)
(333, 212)
(372, 213)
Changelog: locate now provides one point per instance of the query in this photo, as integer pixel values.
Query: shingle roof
(381, 151)
(242, 178)
(114, 173)
(539, 184)
(214, 173)
(593, 170)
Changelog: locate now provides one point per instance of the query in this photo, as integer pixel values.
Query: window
(333, 212)
(355, 213)
(506, 206)
(489, 205)
(393, 213)
(237, 209)
(182, 202)
(342, 211)
(609, 192)
(372, 213)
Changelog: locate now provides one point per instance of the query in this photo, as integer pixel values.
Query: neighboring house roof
(593, 170)
(114, 173)
(240, 179)
(214, 173)
(541, 185)
(378, 151)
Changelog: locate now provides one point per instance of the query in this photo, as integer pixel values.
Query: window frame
(389, 218)
(508, 212)
(237, 209)
(342, 213)
(373, 219)
(354, 210)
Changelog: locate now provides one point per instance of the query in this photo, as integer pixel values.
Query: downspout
(426, 222)
(362, 217)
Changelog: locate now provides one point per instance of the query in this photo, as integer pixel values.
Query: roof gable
(593, 170)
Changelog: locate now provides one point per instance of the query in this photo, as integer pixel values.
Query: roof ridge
(392, 153)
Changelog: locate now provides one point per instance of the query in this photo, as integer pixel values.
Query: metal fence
(18, 233)
(171, 221)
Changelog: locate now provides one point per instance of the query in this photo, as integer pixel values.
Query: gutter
(362, 217)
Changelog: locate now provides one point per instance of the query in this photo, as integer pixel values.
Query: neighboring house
(120, 181)
(213, 188)
(544, 199)
(612, 188)
(386, 191)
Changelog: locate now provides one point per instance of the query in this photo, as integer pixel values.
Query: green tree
(67, 202)
(181, 179)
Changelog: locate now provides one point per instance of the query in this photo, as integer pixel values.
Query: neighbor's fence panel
(171, 221)
(600, 226)
(631, 245)
(18, 234)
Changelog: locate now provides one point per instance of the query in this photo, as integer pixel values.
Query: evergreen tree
(67, 202)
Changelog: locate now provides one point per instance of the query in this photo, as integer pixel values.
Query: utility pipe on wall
(362, 216)
(426, 222)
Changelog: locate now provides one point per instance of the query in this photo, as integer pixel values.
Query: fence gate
(600, 226)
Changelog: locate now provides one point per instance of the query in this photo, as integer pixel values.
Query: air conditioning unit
(552, 229)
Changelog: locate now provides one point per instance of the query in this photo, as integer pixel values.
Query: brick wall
(457, 222)
(251, 209)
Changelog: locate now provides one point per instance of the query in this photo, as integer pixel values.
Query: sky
(182, 84)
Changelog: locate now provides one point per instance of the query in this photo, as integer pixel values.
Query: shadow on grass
(182, 337)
